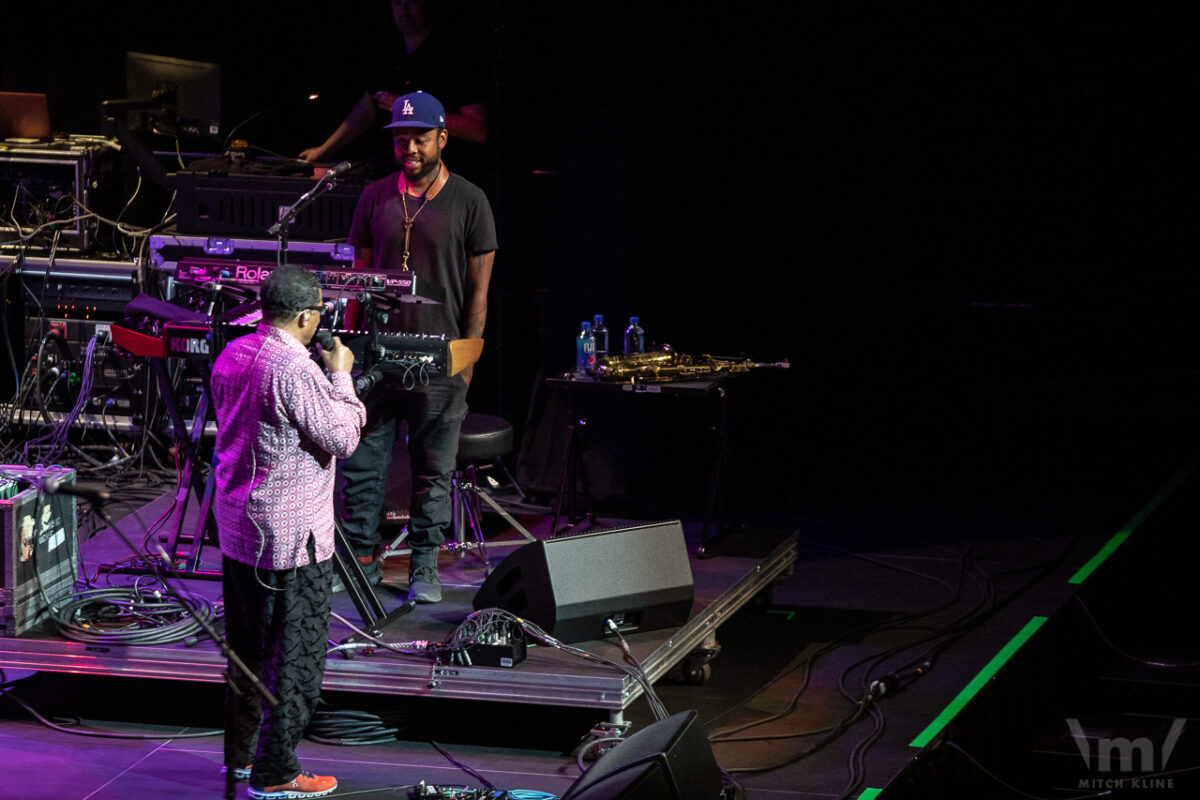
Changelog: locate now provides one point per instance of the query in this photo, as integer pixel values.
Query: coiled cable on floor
(132, 615)
(350, 727)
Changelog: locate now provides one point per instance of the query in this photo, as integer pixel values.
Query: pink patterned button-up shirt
(281, 426)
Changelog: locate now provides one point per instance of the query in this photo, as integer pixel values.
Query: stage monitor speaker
(638, 576)
(669, 760)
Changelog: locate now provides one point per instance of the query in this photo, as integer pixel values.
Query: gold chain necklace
(430, 193)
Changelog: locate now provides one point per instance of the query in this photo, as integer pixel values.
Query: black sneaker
(424, 584)
(370, 570)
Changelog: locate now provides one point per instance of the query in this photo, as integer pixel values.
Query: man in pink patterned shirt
(281, 426)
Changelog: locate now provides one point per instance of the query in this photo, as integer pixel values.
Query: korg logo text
(191, 347)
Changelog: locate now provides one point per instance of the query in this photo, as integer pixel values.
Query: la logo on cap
(408, 109)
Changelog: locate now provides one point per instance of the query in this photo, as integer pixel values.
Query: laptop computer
(24, 116)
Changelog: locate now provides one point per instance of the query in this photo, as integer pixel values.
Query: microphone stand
(288, 215)
(235, 665)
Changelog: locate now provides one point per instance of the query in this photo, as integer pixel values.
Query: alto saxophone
(665, 364)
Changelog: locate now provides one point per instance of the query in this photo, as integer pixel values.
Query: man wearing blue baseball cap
(439, 225)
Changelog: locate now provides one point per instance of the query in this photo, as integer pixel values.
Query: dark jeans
(277, 621)
(434, 414)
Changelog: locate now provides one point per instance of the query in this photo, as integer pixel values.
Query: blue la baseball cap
(417, 110)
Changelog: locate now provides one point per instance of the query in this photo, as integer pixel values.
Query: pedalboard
(429, 791)
(489, 655)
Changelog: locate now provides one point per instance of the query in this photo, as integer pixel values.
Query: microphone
(325, 339)
(366, 381)
(891, 682)
(338, 169)
(92, 495)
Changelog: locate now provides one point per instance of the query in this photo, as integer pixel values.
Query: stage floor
(978, 579)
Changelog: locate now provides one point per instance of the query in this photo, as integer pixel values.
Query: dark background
(955, 224)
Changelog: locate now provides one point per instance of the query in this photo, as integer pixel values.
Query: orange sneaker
(303, 785)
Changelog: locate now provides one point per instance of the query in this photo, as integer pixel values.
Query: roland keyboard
(404, 286)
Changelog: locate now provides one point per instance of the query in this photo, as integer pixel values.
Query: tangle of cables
(49, 446)
(142, 614)
(914, 643)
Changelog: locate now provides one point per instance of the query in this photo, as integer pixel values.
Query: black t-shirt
(455, 224)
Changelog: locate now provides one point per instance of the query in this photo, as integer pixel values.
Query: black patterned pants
(277, 622)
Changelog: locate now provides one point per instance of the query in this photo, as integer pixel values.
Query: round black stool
(483, 440)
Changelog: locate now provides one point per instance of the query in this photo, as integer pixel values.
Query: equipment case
(39, 548)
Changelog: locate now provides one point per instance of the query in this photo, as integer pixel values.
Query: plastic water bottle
(635, 338)
(585, 349)
(600, 331)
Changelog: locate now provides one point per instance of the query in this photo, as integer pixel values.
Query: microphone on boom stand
(324, 184)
